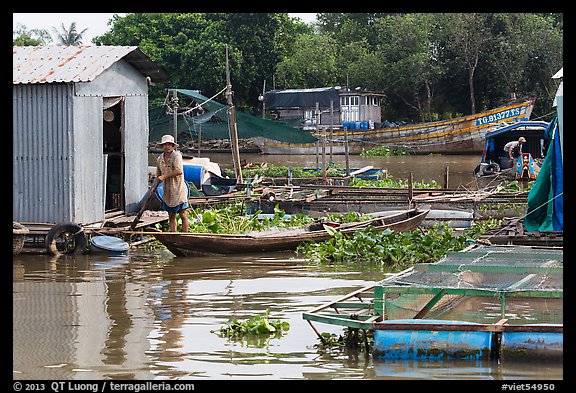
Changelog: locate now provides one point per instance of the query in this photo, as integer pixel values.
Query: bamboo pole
(175, 115)
(317, 129)
(324, 155)
(346, 151)
(331, 131)
(232, 124)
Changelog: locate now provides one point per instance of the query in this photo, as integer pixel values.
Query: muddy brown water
(423, 167)
(151, 316)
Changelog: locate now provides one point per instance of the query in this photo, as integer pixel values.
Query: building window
(349, 108)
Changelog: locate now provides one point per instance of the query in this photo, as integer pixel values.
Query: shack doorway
(113, 144)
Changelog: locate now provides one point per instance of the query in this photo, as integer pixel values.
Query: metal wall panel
(88, 150)
(42, 152)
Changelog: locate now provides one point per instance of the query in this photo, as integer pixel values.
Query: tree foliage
(429, 65)
(21, 36)
(69, 36)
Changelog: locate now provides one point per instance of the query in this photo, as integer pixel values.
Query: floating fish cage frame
(484, 302)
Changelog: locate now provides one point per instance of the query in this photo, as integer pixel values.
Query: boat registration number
(498, 116)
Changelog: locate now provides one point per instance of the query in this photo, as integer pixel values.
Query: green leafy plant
(391, 249)
(255, 325)
(384, 151)
(390, 182)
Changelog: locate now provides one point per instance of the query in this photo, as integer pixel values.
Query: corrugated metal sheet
(67, 64)
(43, 153)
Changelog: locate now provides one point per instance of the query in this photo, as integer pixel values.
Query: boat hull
(194, 244)
(463, 135)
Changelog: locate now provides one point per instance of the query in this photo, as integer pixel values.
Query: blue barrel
(532, 345)
(430, 344)
(194, 174)
(109, 244)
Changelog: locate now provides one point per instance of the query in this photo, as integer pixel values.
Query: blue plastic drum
(430, 344)
(194, 174)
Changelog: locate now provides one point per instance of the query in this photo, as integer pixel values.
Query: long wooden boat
(192, 244)
(484, 302)
(462, 135)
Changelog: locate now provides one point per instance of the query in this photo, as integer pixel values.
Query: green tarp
(545, 200)
(213, 123)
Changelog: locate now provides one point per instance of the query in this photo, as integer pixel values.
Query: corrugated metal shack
(80, 131)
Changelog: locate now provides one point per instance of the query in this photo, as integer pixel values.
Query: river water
(423, 167)
(149, 315)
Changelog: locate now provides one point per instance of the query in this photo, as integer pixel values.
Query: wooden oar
(152, 191)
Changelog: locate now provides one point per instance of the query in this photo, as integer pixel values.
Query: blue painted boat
(494, 159)
(109, 244)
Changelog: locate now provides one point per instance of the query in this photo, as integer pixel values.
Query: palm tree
(69, 37)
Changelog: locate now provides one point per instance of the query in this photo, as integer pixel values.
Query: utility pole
(232, 124)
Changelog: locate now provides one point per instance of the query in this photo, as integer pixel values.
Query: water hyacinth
(255, 325)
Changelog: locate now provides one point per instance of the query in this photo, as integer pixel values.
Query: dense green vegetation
(396, 250)
(429, 65)
(233, 219)
(280, 171)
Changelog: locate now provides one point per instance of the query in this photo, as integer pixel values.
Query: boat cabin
(493, 154)
(338, 107)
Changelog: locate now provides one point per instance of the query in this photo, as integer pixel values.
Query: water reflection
(149, 315)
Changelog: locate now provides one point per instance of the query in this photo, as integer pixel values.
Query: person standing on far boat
(514, 148)
(170, 171)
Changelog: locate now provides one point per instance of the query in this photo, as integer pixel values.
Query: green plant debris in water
(255, 325)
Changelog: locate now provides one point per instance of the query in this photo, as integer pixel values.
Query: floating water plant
(255, 325)
(391, 249)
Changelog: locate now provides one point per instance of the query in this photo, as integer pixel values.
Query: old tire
(67, 238)
(491, 169)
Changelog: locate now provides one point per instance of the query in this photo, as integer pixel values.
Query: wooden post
(232, 124)
(346, 151)
(199, 140)
(175, 115)
(324, 155)
(264, 100)
(446, 176)
(317, 134)
(331, 130)
(410, 189)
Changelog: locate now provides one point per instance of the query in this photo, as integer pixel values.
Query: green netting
(521, 284)
(495, 269)
(213, 123)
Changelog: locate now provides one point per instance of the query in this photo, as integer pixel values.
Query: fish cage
(482, 302)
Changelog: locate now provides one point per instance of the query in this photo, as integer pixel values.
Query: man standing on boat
(170, 171)
(514, 148)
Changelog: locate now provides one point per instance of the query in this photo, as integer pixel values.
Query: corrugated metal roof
(65, 64)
